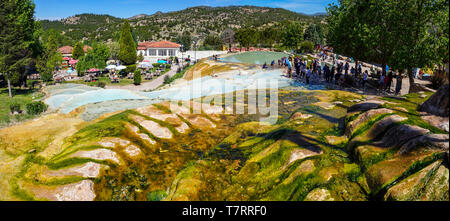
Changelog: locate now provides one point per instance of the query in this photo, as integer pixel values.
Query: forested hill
(197, 21)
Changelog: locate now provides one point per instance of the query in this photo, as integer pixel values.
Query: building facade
(158, 50)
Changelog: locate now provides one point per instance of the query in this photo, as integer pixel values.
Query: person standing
(365, 76)
(389, 81)
(308, 75)
(381, 83)
(398, 85)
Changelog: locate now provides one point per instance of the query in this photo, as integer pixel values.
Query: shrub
(101, 84)
(14, 107)
(137, 77)
(306, 46)
(156, 65)
(167, 79)
(35, 108)
(130, 68)
(168, 66)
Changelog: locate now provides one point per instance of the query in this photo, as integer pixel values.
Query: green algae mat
(325, 146)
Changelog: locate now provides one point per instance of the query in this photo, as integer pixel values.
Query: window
(162, 52)
(172, 52)
(152, 52)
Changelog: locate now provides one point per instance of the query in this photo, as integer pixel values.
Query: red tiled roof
(159, 44)
(69, 49)
(65, 50)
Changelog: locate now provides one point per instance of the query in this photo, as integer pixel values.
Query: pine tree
(50, 58)
(127, 53)
(78, 51)
(18, 38)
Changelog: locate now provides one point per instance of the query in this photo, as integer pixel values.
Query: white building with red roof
(158, 50)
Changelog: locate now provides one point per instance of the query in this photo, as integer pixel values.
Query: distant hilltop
(198, 21)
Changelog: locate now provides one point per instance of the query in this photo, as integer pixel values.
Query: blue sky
(57, 9)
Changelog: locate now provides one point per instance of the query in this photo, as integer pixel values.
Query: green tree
(315, 33)
(114, 49)
(422, 36)
(95, 58)
(292, 35)
(228, 37)
(19, 42)
(269, 36)
(306, 46)
(50, 59)
(247, 37)
(213, 42)
(140, 57)
(78, 50)
(398, 33)
(127, 53)
(186, 40)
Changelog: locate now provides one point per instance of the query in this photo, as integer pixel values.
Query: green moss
(56, 181)
(415, 167)
(75, 161)
(163, 108)
(156, 195)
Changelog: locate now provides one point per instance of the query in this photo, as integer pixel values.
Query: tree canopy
(247, 37)
(185, 40)
(50, 58)
(19, 42)
(398, 33)
(95, 58)
(127, 52)
(78, 50)
(292, 35)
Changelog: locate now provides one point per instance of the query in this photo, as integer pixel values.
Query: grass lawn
(20, 96)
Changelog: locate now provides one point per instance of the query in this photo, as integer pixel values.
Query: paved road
(147, 85)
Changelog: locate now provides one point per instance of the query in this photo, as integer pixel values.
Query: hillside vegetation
(198, 21)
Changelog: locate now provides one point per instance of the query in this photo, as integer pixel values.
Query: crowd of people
(339, 73)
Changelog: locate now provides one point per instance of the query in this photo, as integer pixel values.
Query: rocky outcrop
(437, 104)
(364, 118)
(400, 161)
(398, 135)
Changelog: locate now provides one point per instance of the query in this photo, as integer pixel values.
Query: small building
(158, 50)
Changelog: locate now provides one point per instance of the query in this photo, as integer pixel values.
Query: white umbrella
(145, 65)
(121, 67)
(109, 67)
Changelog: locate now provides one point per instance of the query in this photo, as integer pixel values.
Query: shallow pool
(99, 101)
(254, 57)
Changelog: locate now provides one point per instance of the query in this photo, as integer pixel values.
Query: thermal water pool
(254, 57)
(97, 101)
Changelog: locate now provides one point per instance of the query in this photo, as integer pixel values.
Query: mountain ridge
(199, 21)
